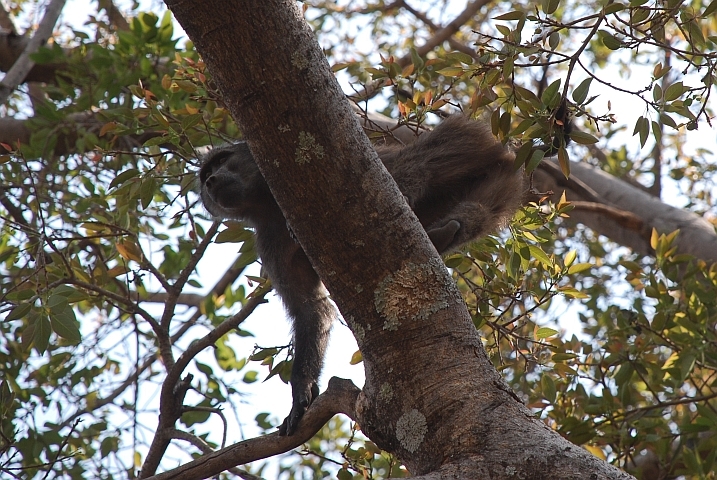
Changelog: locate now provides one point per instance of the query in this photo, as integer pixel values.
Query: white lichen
(308, 149)
(411, 429)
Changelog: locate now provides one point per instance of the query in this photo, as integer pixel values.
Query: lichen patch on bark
(411, 429)
(308, 149)
(414, 292)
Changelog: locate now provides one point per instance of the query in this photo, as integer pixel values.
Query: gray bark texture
(697, 236)
(431, 396)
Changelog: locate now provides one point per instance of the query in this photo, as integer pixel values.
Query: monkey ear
(442, 237)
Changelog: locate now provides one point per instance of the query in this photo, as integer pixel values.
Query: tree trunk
(431, 395)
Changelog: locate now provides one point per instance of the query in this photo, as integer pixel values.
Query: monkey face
(231, 184)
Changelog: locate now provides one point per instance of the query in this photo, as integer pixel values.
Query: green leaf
(579, 267)
(571, 292)
(42, 331)
(570, 257)
(57, 303)
(538, 253)
(549, 6)
(554, 40)
(416, 59)
(356, 358)
(263, 353)
(109, 445)
(582, 138)
(545, 332)
(642, 126)
(551, 95)
(451, 71)
(344, 474)
(547, 387)
(6, 396)
(564, 161)
(534, 161)
(251, 376)
(614, 8)
(609, 40)
(674, 91)
(711, 8)
(234, 233)
(65, 324)
(147, 191)
(464, 58)
(18, 312)
(522, 155)
(581, 93)
(623, 374)
(665, 119)
(514, 15)
(123, 177)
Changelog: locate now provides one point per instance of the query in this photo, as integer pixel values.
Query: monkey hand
(302, 399)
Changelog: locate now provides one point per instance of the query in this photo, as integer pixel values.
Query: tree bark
(697, 236)
(431, 395)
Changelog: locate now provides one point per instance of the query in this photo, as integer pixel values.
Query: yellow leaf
(407, 70)
(597, 451)
(129, 250)
(451, 71)
(108, 127)
(356, 358)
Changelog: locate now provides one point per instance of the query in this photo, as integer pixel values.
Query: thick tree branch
(697, 236)
(23, 65)
(455, 44)
(206, 449)
(6, 24)
(432, 395)
(114, 15)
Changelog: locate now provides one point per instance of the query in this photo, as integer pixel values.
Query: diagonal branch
(441, 36)
(23, 65)
(339, 397)
(455, 44)
(170, 407)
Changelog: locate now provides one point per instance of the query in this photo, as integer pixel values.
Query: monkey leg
(312, 326)
(312, 312)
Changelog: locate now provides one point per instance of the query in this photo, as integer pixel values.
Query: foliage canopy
(101, 232)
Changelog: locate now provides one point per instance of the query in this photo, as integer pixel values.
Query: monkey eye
(213, 163)
(221, 157)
